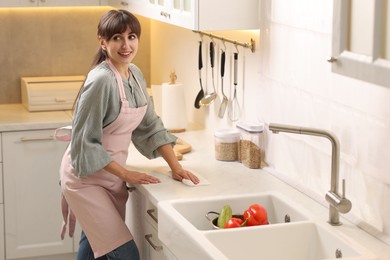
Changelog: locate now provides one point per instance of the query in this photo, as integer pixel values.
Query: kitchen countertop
(15, 117)
(233, 178)
(224, 177)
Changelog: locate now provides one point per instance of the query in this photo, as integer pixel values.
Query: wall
(287, 80)
(52, 42)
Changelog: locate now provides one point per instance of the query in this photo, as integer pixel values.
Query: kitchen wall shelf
(250, 45)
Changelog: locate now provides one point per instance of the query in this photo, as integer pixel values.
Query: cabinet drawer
(152, 214)
(153, 247)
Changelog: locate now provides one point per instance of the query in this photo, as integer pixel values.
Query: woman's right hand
(134, 177)
(131, 177)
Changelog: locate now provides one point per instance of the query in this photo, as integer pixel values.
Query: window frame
(370, 68)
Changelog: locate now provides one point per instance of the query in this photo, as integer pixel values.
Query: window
(361, 40)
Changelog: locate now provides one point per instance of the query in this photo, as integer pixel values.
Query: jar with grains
(226, 144)
(251, 144)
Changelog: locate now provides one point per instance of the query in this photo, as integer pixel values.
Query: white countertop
(233, 178)
(15, 117)
(224, 177)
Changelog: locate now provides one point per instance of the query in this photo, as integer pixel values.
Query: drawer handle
(150, 213)
(165, 14)
(130, 188)
(32, 139)
(148, 238)
(124, 3)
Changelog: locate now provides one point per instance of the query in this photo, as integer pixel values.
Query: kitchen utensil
(200, 66)
(209, 98)
(225, 100)
(234, 106)
(214, 222)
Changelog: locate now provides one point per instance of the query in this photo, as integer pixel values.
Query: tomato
(256, 215)
(235, 223)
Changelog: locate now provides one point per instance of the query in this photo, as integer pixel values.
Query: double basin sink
(292, 234)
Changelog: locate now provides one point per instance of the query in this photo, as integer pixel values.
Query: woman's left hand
(181, 174)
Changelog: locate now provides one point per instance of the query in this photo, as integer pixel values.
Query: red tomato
(234, 223)
(256, 215)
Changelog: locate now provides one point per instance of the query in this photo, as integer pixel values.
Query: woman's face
(121, 48)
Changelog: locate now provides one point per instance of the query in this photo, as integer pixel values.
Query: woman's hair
(111, 23)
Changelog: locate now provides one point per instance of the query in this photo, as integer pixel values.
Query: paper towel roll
(169, 104)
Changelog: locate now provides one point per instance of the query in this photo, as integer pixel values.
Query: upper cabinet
(200, 14)
(42, 3)
(361, 40)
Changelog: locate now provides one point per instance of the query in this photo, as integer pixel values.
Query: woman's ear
(102, 43)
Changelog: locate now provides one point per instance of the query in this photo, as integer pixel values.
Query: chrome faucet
(337, 203)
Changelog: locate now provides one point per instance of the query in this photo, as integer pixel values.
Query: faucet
(337, 203)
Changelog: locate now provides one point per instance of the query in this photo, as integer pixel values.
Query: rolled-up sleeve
(151, 133)
(87, 152)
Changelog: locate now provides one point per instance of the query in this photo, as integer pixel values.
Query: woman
(112, 110)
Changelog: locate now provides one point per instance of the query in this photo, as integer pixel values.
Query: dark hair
(111, 23)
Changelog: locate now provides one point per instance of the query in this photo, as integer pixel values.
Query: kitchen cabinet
(120, 4)
(2, 255)
(42, 3)
(32, 214)
(200, 14)
(2, 251)
(141, 217)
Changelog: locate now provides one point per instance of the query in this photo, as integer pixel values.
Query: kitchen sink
(279, 208)
(295, 241)
(185, 230)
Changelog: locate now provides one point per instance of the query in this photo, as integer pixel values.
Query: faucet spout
(338, 203)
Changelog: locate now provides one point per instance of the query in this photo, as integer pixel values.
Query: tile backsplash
(52, 42)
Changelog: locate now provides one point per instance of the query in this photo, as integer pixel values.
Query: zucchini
(224, 216)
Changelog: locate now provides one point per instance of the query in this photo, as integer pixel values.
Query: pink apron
(99, 200)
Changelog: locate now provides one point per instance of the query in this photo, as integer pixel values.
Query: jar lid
(251, 127)
(227, 133)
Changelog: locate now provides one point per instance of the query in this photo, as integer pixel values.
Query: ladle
(209, 98)
(224, 103)
(200, 66)
(234, 106)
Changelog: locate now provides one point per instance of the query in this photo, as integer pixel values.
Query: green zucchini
(224, 216)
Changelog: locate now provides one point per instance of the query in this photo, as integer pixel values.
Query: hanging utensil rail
(250, 45)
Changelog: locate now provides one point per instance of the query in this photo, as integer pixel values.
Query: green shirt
(98, 105)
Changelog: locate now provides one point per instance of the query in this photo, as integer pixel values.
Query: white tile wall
(287, 80)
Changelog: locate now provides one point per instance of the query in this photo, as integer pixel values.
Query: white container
(251, 144)
(226, 144)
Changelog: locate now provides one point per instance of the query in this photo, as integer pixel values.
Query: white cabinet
(41, 3)
(2, 251)
(31, 161)
(200, 14)
(120, 4)
(141, 217)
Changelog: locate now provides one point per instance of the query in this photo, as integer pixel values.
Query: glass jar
(226, 144)
(251, 144)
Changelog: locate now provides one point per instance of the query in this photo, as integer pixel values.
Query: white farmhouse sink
(185, 230)
(294, 241)
(278, 208)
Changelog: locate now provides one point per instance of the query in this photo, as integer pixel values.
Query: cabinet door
(2, 251)
(200, 14)
(135, 219)
(31, 161)
(36, 3)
